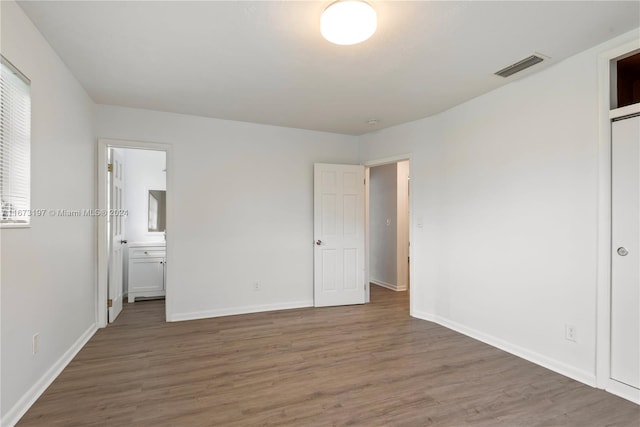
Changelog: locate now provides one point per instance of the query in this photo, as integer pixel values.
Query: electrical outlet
(256, 286)
(570, 333)
(36, 343)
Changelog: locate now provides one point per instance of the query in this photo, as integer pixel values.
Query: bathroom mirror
(157, 210)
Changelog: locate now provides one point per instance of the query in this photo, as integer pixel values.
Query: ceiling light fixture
(347, 22)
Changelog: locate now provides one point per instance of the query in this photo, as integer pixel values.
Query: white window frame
(15, 142)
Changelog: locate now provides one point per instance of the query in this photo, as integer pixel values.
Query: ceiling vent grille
(519, 66)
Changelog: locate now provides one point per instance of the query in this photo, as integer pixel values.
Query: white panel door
(625, 263)
(116, 225)
(338, 235)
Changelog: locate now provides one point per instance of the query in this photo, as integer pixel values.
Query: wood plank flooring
(368, 365)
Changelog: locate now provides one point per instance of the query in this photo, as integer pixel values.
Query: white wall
(144, 171)
(383, 224)
(242, 208)
(505, 188)
(48, 270)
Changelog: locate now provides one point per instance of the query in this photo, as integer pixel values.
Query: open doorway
(132, 233)
(388, 220)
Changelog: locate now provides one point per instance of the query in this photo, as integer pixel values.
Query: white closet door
(625, 263)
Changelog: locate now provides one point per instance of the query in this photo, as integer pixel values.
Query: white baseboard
(29, 398)
(624, 391)
(423, 315)
(177, 317)
(387, 285)
(562, 368)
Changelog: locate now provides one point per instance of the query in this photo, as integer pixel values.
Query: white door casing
(104, 234)
(625, 262)
(338, 235)
(116, 225)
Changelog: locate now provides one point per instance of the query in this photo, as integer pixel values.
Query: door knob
(622, 251)
(123, 242)
(318, 242)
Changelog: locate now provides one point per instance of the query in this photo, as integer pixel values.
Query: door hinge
(109, 303)
(109, 167)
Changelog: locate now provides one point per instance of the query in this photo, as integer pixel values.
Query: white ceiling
(266, 62)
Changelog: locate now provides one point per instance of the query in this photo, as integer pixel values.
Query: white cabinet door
(339, 235)
(625, 262)
(146, 277)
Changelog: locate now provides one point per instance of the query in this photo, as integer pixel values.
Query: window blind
(15, 145)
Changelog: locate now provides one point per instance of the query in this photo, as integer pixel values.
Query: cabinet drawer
(146, 252)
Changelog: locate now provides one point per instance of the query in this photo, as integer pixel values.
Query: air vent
(519, 66)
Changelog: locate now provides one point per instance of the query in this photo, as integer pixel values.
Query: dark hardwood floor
(368, 365)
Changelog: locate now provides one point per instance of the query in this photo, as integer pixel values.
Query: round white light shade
(348, 22)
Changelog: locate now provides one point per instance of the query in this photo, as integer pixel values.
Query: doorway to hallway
(388, 226)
